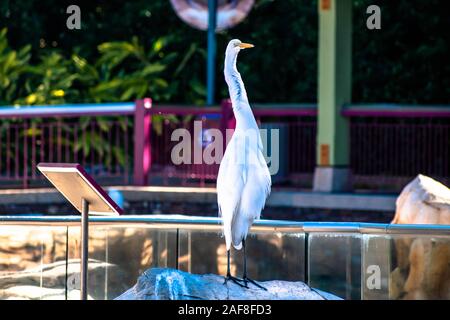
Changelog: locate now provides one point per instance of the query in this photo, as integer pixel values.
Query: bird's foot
(247, 280)
(234, 279)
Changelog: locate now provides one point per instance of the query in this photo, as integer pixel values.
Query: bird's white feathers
(243, 182)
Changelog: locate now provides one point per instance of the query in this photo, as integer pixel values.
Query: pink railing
(158, 168)
(100, 141)
(131, 142)
(390, 144)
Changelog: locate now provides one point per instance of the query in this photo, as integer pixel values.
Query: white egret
(243, 182)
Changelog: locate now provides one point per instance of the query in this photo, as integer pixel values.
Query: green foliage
(124, 71)
(129, 72)
(49, 82)
(13, 65)
(125, 43)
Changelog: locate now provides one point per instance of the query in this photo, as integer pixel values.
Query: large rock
(423, 263)
(171, 284)
(423, 201)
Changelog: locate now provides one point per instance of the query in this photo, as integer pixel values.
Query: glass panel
(420, 267)
(335, 263)
(117, 256)
(38, 262)
(270, 255)
(32, 262)
(376, 267)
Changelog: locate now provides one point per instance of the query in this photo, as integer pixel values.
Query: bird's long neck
(236, 87)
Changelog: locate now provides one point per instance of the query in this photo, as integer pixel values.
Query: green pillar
(335, 72)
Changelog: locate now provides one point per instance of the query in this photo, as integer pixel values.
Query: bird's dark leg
(245, 278)
(229, 276)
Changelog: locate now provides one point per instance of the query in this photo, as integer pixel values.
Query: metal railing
(96, 135)
(131, 142)
(213, 223)
(334, 257)
(296, 121)
(390, 144)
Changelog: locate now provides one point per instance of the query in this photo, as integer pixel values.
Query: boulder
(423, 201)
(171, 284)
(423, 263)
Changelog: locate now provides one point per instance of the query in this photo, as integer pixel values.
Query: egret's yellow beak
(245, 45)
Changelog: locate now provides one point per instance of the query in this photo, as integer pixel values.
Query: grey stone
(171, 284)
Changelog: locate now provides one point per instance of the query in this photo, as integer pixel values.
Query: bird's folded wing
(230, 185)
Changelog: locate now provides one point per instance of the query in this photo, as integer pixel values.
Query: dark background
(407, 61)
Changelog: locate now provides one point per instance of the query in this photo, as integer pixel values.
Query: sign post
(73, 182)
(85, 248)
